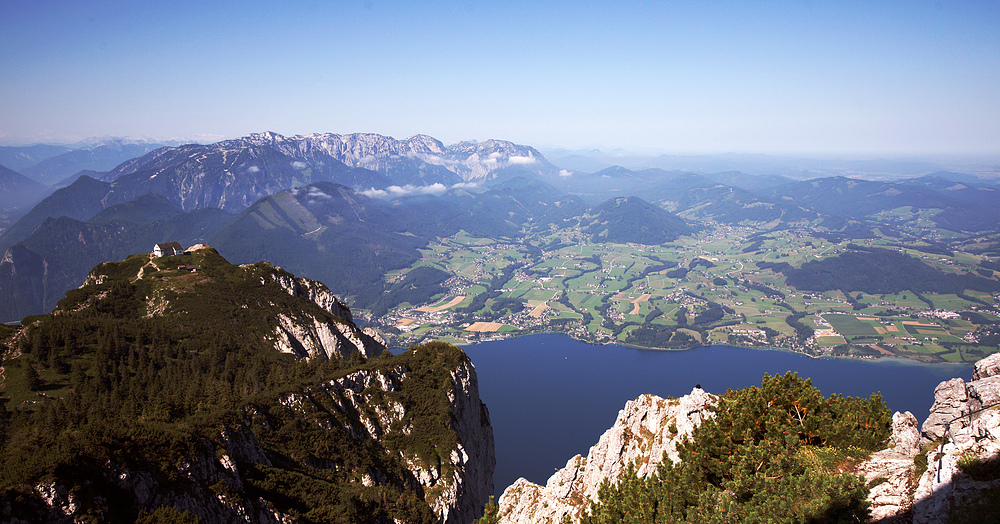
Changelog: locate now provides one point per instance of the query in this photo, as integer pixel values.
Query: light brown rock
(646, 429)
(890, 469)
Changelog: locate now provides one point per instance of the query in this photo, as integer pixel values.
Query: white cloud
(521, 160)
(409, 189)
(565, 172)
(253, 169)
(299, 165)
(375, 193)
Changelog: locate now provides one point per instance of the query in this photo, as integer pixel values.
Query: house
(167, 249)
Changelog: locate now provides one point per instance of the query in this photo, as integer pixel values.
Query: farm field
(702, 287)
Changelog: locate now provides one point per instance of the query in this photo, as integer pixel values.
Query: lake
(551, 397)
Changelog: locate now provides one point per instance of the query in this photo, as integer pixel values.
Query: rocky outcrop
(890, 472)
(645, 429)
(650, 426)
(987, 367)
(967, 413)
(308, 336)
(207, 484)
(957, 403)
(456, 488)
(313, 290)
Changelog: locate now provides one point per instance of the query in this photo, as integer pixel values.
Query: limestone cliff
(308, 335)
(890, 471)
(967, 414)
(645, 428)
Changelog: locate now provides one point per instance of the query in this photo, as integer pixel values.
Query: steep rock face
(471, 482)
(970, 412)
(207, 484)
(309, 336)
(456, 489)
(645, 429)
(987, 367)
(313, 290)
(954, 398)
(893, 494)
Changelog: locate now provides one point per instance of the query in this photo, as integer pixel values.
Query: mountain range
(346, 209)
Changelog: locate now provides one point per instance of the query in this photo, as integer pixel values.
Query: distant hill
(18, 192)
(859, 199)
(98, 156)
(336, 235)
(856, 198)
(141, 210)
(632, 220)
(749, 182)
(971, 190)
(881, 271)
(726, 197)
(20, 157)
(80, 200)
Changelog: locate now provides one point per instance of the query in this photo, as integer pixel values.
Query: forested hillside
(158, 389)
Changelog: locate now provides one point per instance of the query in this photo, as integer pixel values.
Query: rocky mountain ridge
(232, 174)
(471, 161)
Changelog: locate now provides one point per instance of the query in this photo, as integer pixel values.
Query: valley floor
(717, 287)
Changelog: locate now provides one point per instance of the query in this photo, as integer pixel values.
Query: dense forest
(881, 271)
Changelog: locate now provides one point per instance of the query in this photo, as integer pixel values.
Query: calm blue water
(551, 397)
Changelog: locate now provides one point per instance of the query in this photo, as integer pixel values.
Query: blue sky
(882, 77)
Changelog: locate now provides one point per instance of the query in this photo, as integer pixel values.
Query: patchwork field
(689, 290)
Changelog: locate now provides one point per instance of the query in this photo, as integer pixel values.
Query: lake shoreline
(512, 336)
